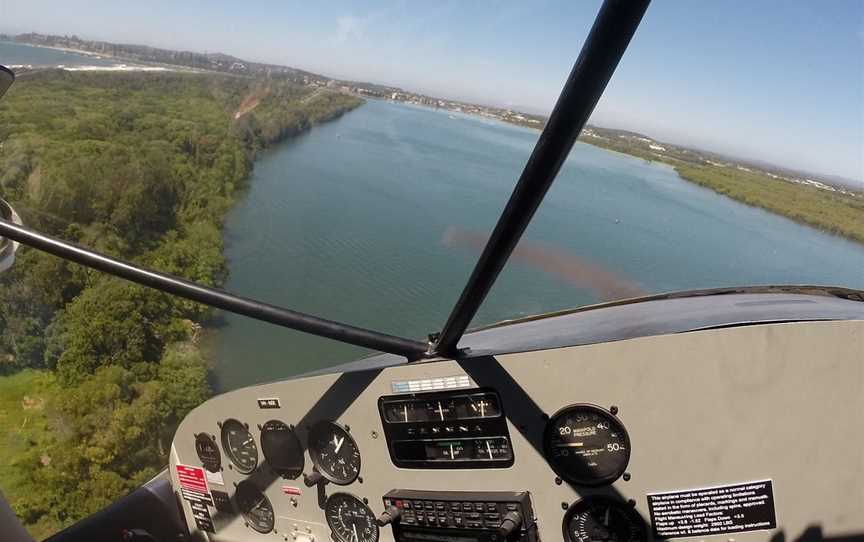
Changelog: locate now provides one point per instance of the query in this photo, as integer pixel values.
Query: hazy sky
(780, 81)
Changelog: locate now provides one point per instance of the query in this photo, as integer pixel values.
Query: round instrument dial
(350, 519)
(239, 446)
(586, 445)
(282, 449)
(255, 507)
(334, 453)
(601, 519)
(208, 452)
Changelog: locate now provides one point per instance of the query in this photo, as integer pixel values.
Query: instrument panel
(605, 442)
(447, 430)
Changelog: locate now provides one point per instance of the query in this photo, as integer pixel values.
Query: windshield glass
(350, 162)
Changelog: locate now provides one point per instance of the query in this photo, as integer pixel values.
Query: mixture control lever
(511, 522)
(390, 515)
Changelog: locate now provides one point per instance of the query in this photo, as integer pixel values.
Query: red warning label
(192, 478)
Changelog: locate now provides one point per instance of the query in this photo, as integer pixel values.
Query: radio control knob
(512, 522)
(390, 515)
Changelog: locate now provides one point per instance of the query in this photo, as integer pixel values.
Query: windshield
(351, 162)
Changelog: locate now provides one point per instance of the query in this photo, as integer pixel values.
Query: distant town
(621, 140)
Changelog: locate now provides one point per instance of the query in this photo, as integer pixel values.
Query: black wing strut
(614, 27)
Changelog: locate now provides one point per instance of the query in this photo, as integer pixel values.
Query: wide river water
(375, 219)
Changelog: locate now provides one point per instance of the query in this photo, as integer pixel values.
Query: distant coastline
(805, 198)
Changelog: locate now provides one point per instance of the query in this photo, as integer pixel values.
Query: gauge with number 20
(586, 445)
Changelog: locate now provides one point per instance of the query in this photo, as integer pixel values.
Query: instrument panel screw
(365, 500)
(360, 479)
(374, 434)
(626, 476)
(293, 502)
(558, 481)
(348, 428)
(614, 410)
(564, 506)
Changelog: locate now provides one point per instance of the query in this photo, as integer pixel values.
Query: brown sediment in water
(579, 272)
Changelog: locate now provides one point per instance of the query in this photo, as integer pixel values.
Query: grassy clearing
(23, 424)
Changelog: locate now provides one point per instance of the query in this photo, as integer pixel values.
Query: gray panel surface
(777, 401)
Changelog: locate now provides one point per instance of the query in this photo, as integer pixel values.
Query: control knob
(390, 515)
(511, 523)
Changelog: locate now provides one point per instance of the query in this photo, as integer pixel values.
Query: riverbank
(836, 211)
(143, 167)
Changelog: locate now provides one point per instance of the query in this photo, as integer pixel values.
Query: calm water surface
(17, 54)
(354, 221)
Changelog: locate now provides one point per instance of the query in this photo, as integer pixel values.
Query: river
(374, 219)
(355, 221)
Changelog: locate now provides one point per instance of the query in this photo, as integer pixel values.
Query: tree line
(140, 166)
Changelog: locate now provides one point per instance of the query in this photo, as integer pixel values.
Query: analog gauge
(350, 519)
(239, 446)
(440, 410)
(601, 519)
(208, 452)
(282, 449)
(404, 412)
(586, 445)
(482, 406)
(492, 449)
(255, 507)
(334, 453)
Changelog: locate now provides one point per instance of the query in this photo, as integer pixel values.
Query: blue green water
(350, 220)
(17, 54)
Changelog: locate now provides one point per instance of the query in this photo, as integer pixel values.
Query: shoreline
(121, 64)
(821, 208)
(705, 181)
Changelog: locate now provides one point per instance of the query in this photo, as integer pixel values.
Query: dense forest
(96, 372)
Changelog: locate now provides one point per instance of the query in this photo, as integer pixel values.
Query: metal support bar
(614, 27)
(215, 298)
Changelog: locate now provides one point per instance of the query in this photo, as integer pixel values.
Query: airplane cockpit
(724, 415)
